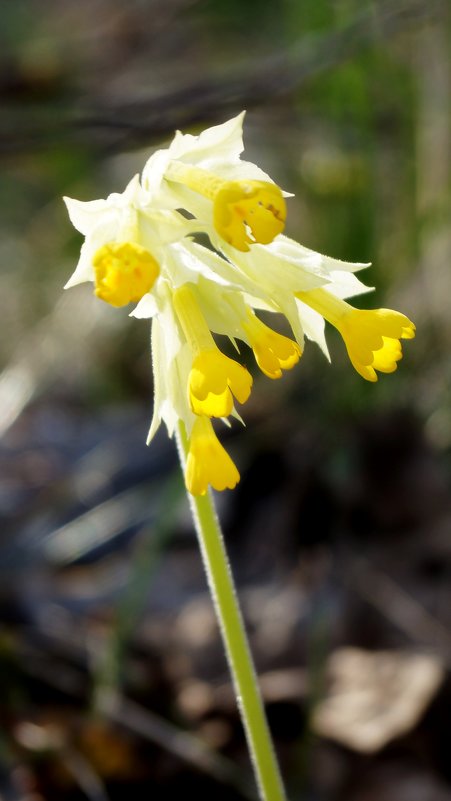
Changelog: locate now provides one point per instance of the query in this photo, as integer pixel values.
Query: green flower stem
(234, 636)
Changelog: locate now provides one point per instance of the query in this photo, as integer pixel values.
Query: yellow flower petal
(273, 352)
(372, 339)
(371, 336)
(214, 380)
(242, 208)
(124, 273)
(208, 463)
(244, 211)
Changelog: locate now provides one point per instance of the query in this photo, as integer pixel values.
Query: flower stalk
(236, 645)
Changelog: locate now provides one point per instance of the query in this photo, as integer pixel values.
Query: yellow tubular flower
(273, 352)
(244, 211)
(243, 205)
(214, 378)
(208, 463)
(124, 273)
(372, 337)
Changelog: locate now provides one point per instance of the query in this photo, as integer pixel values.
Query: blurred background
(113, 675)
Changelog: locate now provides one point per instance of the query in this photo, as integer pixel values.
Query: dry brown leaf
(375, 696)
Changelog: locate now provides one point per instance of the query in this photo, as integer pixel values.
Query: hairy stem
(235, 640)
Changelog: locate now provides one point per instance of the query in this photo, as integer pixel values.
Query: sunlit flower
(273, 351)
(205, 175)
(208, 463)
(372, 336)
(214, 379)
(125, 241)
(123, 272)
(244, 211)
(139, 248)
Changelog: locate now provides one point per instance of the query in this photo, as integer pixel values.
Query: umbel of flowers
(140, 248)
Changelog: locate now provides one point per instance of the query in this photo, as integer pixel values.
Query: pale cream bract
(139, 247)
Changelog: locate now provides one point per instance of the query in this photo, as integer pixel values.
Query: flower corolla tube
(140, 247)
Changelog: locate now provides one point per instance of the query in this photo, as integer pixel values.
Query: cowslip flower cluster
(140, 247)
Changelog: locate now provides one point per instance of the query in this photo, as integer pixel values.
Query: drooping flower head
(139, 248)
